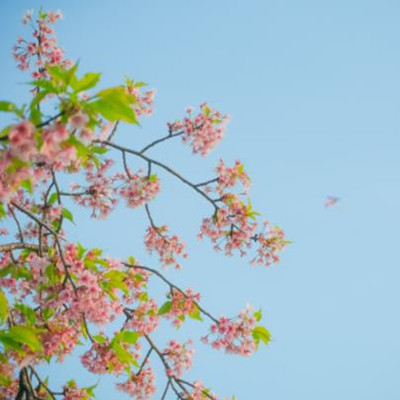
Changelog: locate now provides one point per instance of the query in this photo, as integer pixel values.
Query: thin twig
(152, 144)
(18, 224)
(17, 246)
(163, 166)
(171, 285)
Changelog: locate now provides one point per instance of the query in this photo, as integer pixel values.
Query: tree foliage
(55, 294)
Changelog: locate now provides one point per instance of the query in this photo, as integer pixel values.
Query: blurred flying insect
(331, 201)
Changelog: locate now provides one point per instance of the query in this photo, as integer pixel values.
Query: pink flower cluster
(9, 383)
(234, 335)
(44, 48)
(22, 141)
(228, 177)
(54, 150)
(271, 241)
(182, 305)
(145, 318)
(232, 224)
(139, 189)
(74, 393)
(167, 247)
(179, 357)
(100, 194)
(235, 225)
(61, 338)
(102, 359)
(202, 131)
(144, 104)
(200, 392)
(24, 149)
(140, 386)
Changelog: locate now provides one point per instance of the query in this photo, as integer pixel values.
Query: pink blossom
(228, 177)
(203, 131)
(182, 305)
(144, 104)
(78, 120)
(48, 53)
(100, 193)
(234, 335)
(167, 247)
(144, 318)
(179, 357)
(141, 386)
(22, 141)
(139, 189)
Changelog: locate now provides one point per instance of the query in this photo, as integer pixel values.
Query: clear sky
(313, 91)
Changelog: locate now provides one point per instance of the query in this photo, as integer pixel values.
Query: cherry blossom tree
(56, 295)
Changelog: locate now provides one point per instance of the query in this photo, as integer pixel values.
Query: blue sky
(313, 91)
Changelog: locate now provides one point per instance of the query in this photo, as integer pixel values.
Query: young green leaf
(88, 81)
(7, 106)
(261, 334)
(165, 308)
(67, 214)
(3, 307)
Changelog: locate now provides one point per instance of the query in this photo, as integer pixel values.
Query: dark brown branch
(41, 383)
(56, 239)
(126, 165)
(47, 122)
(171, 379)
(114, 130)
(144, 361)
(163, 166)
(166, 390)
(18, 246)
(172, 286)
(193, 386)
(207, 182)
(17, 223)
(152, 144)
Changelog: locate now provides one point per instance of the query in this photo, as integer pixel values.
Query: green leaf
(28, 312)
(129, 337)
(196, 314)
(165, 308)
(123, 355)
(3, 213)
(99, 338)
(53, 198)
(9, 269)
(68, 215)
(90, 389)
(114, 104)
(261, 334)
(88, 81)
(24, 335)
(51, 273)
(46, 85)
(7, 106)
(48, 313)
(258, 315)
(115, 279)
(38, 98)
(36, 115)
(9, 342)
(98, 150)
(3, 307)
(132, 261)
(4, 132)
(61, 75)
(27, 185)
(81, 250)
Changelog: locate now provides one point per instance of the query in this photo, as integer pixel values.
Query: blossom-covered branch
(56, 294)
